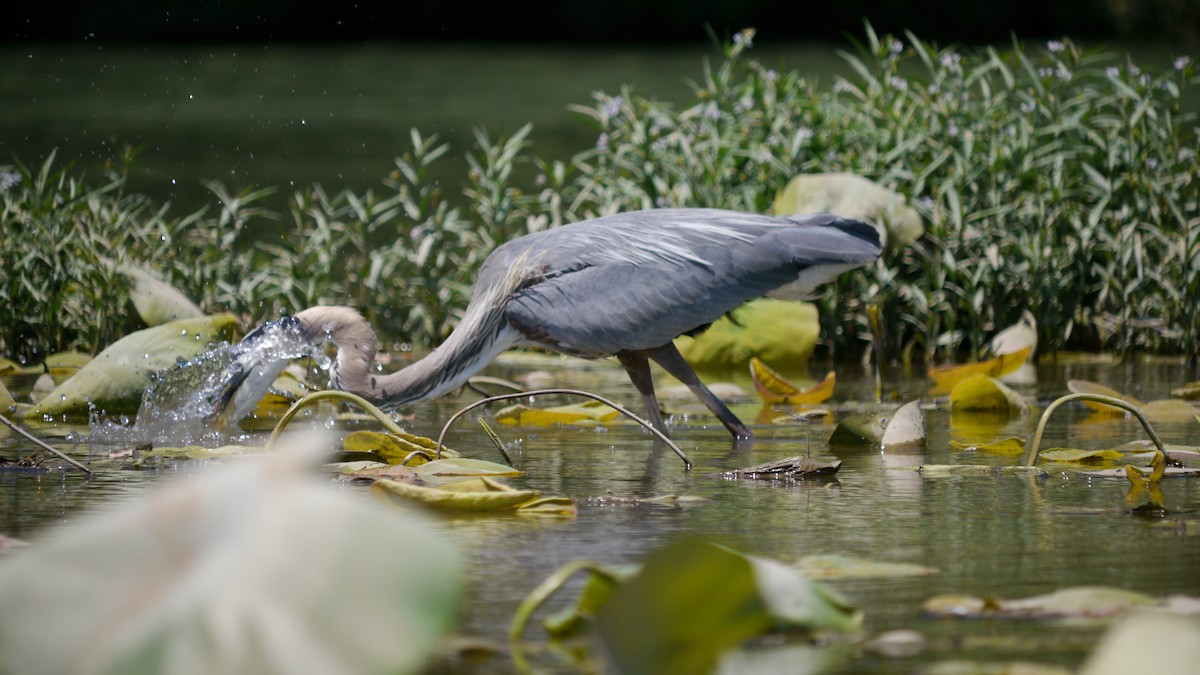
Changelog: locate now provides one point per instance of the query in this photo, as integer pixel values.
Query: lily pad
(156, 301)
(396, 448)
(1011, 446)
(463, 466)
(1188, 392)
(859, 429)
(7, 403)
(1076, 456)
(906, 430)
(1080, 602)
(114, 381)
(472, 495)
(852, 196)
(1016, 338)
(946, 377)
(1157, 642)
(1089, 387)
(843, 567)
(981, 393)
(228, 572)
(777, 331)
(590, 412)
(773, 388)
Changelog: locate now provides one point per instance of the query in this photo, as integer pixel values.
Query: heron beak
(258, 359)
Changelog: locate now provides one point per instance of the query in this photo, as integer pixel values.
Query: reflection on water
(1004, 536)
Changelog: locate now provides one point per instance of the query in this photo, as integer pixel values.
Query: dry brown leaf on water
(792, 467)
(774, 388)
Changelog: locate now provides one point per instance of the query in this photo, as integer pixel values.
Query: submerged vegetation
(1055, 180)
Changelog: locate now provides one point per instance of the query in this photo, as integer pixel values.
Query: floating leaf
(842, 567)
(156, 301)
(946, 377)
(906, 430)
(1005, 446)
(777, 331)
(693, 600)
(463, 466)
(852, 196)
(1080, 456)
(1168, 411)
(792, 467)
(229, 572)
(475, 494)
(773, 388)
(1088, 387)
(601, 583)
(1084, 601)
(7, 403)
(1017, 337)
(115, 380)
(1188, 392)
(63, 365)
(590, 412)
(859, 429)
(981, 393)
(396, 448)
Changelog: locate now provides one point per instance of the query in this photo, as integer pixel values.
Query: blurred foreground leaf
(692, 600)
(250, 569)
(1083, 601)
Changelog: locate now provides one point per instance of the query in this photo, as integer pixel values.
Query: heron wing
(637, 281)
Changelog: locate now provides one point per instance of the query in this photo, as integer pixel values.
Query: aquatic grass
(1052, 179)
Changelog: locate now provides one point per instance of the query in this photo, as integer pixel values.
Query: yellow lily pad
(852, 196)
(8, 367)
(394, 447)
(1076, 456)
(1188, 392)
(1011, 446)
(773, 388)
(590, 412)
(778, 331)
(1089, 387)
(475, 494)
(1169, 410)
(946, 377)
(981, 393)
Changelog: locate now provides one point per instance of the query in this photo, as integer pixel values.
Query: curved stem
(333, 394)
(687, 463)
(1034, 447)
(549, 586)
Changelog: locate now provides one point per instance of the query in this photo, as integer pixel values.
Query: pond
(1002, 536)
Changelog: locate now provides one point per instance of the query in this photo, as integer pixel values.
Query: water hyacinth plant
(1052, 179)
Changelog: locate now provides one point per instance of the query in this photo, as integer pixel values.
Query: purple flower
(1113, 72)
(1055, 46)
(602, 141)
(1182, 62)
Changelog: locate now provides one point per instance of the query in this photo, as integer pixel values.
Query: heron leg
(673, 362)
(639, 372)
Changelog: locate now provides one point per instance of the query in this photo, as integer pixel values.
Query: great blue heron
(624, 285)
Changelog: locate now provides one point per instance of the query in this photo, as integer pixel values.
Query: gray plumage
(624, 285)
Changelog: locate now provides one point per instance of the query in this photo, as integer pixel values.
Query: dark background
(597, 21)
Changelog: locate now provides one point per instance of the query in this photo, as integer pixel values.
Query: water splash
(200, 401)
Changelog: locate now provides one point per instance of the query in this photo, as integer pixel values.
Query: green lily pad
(852, 196)
(1077, 456)
(229, 572)
(590, 412)
(7, 403)
(115, 380)
(396, 448)
(156, 301)
(859, 429)
(1011, 446)
(463, 466)
(779, 332)
(981, 393)
(472, 495)
(842, 567)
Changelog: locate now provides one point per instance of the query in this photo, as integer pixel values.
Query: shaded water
(1002, 536)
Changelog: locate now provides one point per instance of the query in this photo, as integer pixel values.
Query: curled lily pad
(1089, 387)
(853, 196)
(906, 430)
(981, 393)
(589, 412)
(396, 448)
(1165, 410)
(115, 380)
(777, 331)
(156, 301)
(859, 429)
(480, 494)
(1081, 602)
(946, 377)
(1017, 337)
(1188, 392)
(773, 388)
